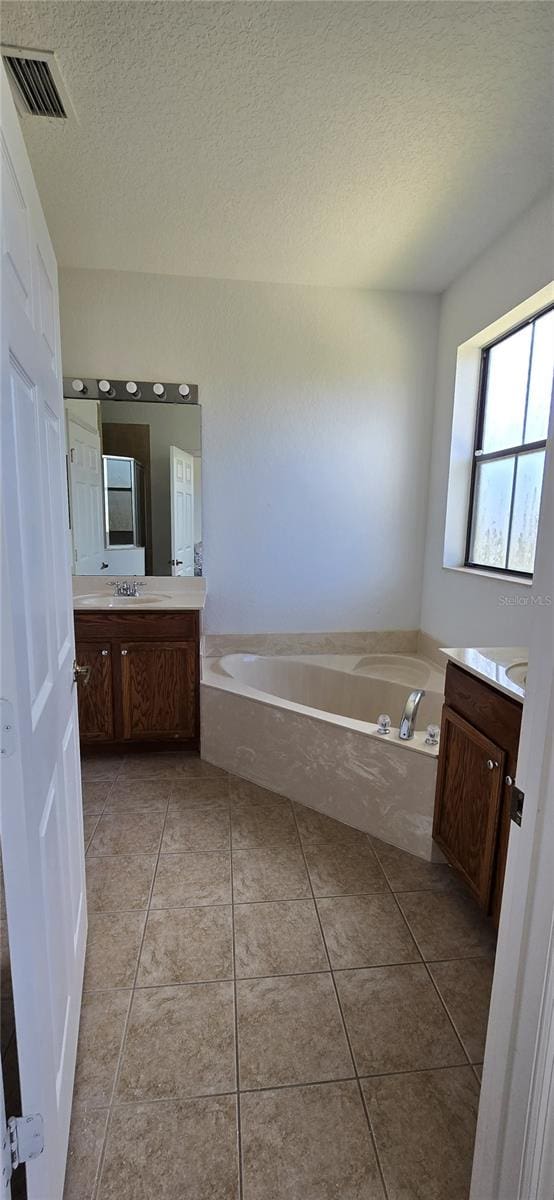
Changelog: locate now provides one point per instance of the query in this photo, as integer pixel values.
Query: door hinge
(7, 735)
(23, 1139)
(516, 805)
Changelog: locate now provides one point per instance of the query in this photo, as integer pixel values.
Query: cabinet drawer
(120, 624)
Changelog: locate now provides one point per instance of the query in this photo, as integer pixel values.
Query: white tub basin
(517, 672)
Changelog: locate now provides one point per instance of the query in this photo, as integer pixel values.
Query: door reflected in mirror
(134, 481)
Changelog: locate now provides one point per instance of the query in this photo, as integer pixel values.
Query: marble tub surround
(388, 641)
(188, 593)
(329, 764)
(491, 663)
(307, 1045)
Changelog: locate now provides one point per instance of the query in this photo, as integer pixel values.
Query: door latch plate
(516, 807)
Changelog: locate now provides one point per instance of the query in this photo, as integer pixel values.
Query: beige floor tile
(112, 949)
(119, 882)
(187, 880)
(243, 789)
(103, 1016)
(278, 873)
(315, 828)
(185, 945)
(465, 986)
(180, 1042)
(447, 924)
(198, 828)
(278, 938)
(127, 833)
(406, 873)
(95, 795)
(86, 1139)
(344, 869)
(478, 1069)
(308, 1143)
(101, 766)
(193, 792)
(180, 1150)
(90, 824)
(139, 794)
(424, 1129)
(396, 1021)
(365, 931)
(173, 766)
(290, 1031)
(256, 823)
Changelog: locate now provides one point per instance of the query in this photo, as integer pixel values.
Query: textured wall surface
(366, 144)
(316, 409)
(467, 609)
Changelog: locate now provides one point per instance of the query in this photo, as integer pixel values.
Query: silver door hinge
(23, 1139)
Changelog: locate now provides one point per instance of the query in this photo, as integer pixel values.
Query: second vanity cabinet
(142, 686)
(477, 762)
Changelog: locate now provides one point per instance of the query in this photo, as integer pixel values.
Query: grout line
(344, 1025)
(101, 1161)
(236, 1015)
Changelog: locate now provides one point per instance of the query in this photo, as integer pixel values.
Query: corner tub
(305, 726)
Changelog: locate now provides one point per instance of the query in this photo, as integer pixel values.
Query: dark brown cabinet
(143, 684)
(477, 761)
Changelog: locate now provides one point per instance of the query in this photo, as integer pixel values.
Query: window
(515, 391)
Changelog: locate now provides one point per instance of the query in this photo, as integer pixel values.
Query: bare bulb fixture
(78, 386)
(184, 389)
(133, 389)
(105, 387)
(159, 390)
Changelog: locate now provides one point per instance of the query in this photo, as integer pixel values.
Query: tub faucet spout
(409, 714)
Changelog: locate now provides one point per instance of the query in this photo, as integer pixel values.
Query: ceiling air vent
(35, 85)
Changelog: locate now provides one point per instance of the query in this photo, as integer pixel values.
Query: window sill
(498, 576)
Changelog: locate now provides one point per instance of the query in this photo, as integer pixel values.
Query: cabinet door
(467, 805)
(159, 682)
(95, 694)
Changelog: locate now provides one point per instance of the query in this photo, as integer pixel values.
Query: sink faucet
(409, 714)
(127, 587)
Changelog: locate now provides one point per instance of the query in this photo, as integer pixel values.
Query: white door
(40, 810)
(182, 511)
(86, 489)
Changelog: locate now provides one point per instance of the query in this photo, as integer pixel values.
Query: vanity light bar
(148, 392)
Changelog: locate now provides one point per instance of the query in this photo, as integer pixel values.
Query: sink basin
(517, 672)
(101, 600)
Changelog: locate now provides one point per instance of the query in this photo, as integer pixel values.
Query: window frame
(480, 456)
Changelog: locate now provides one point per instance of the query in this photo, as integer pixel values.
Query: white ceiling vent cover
(35, 82)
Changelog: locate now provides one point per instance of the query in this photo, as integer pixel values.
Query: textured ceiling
(366, 144)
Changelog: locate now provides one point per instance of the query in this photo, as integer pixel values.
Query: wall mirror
(134, 476)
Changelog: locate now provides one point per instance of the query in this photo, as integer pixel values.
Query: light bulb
(159, 390)
(105, 386)
(184, 389)
(78, 386)
(132, 388)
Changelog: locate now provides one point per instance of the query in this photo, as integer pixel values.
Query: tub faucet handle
(383, 723)
(432, 738)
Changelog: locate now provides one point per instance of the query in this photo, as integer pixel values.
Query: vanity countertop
(94, 593)
(492, 663)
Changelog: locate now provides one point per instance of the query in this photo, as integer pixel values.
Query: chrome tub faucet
(409, 714)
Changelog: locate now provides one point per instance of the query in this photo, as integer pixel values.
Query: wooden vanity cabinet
(143, 686)
(477, 757)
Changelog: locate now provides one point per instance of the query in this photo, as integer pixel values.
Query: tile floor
(276, 1006)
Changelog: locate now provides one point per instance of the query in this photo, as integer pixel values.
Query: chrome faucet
(127, 587)
(409, 714)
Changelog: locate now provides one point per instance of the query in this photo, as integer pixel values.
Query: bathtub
(305, 726)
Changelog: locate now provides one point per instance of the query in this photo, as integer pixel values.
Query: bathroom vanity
(481, 722)
(138, 671)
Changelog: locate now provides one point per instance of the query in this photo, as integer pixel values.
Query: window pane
(506, 390)
(493, 495)
(526, 511)
(540, 383)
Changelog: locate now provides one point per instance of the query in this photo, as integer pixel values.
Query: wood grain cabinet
(477, 762)
(143, 685)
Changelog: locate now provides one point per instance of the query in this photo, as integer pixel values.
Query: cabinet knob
(509, 781)
(491, 764)
(124, 652)
(104, 653)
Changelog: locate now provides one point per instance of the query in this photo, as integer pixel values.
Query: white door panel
(181, 466)
(41, 811)
(86, 488)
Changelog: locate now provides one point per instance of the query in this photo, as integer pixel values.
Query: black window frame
(481, 456)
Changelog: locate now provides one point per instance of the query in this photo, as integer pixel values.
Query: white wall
(461, 608)
(316, 415)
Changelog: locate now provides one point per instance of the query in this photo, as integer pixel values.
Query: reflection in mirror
(134, 482)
